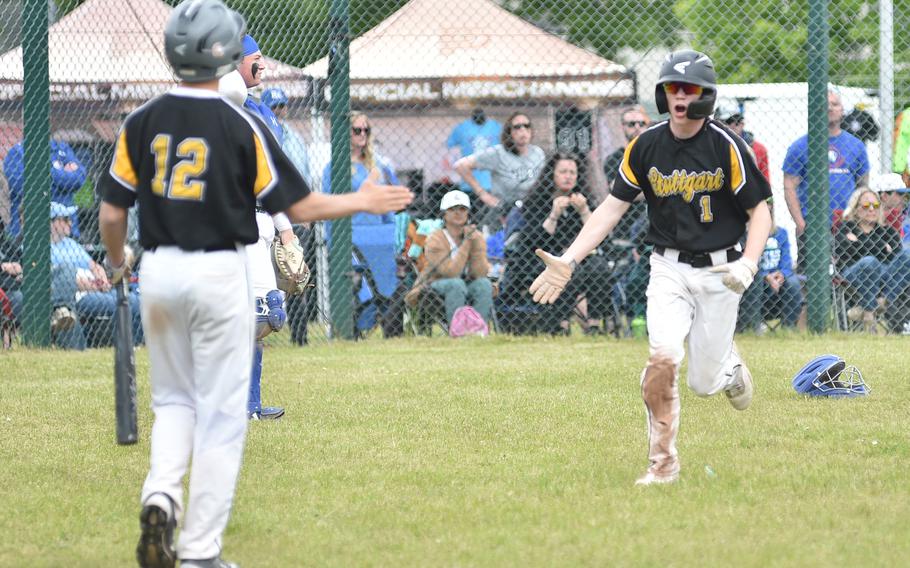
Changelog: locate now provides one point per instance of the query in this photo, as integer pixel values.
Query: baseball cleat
(739, 393)
(650, 478)
(266, 413)
(156, 544)
(271, 413)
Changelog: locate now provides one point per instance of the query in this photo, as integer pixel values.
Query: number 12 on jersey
(182, 180)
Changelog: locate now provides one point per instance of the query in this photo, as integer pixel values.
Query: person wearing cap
(79, 286)
(472, 136)
(732, 116)
(250, 68)
(293, 143)
(457, 264)
(896, 214)
(269, 300)
(893, 193)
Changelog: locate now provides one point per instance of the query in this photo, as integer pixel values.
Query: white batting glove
(552, 281)
(738, 275)
(117, 273)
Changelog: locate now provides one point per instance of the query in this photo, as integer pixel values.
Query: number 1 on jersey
(183, 182)
(706, 215)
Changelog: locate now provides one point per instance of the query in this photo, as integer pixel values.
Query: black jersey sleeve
(748, 183)
(626, 186)
(278, 184)
(118, 184)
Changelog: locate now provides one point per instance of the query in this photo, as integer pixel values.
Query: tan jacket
(472, 253)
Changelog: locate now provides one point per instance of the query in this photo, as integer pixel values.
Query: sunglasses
(358, 131)
(870, 205)
(521, 125)
(687, 88)
(635, 123)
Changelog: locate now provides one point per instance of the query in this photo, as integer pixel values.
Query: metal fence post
(36, 194)
(340, 255)
(818, 211)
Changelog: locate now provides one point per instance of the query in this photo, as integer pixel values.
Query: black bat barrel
(125, 370)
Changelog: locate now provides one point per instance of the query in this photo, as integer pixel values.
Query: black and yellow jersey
(698, 189)
(197, 164)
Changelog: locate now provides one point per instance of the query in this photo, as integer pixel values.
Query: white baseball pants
(197, 313)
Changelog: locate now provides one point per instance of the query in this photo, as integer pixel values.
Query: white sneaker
(739, 393)
(62, 319)
(650, 478)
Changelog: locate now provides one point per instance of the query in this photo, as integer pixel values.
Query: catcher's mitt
(291, 271)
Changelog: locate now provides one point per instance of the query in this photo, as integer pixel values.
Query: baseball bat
(125, 369)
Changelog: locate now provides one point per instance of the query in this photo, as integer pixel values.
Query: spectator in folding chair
(373, 235)
(867, 253)
(776, 288)
(80, 282)
(894, 197)
(554, 212)
(457, 265)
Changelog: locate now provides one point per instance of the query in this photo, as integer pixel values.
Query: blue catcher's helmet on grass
(829, 375)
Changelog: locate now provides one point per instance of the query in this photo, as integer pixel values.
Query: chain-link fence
(525, 106)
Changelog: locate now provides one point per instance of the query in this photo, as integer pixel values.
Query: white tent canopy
(432, 50)
(109, 50)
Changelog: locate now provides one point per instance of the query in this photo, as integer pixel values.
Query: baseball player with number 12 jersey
(703, 191)
(197, 164)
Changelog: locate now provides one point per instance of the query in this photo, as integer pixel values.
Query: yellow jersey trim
(122, 169)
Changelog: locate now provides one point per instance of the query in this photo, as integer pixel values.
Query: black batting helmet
(203, 40)
(688, 66)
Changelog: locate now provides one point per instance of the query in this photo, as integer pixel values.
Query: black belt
(700, 259)
(212, 248)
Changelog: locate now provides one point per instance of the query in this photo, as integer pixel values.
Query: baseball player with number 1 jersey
(703, 191)
(197, 164)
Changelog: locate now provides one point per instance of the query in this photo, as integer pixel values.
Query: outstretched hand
(553, 280)
(737, 275)
(384, 198)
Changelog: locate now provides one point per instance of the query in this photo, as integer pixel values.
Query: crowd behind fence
(525, 107)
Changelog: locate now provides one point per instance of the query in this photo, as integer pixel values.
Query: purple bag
(467, 321)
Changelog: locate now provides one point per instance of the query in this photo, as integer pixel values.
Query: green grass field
(482, 452)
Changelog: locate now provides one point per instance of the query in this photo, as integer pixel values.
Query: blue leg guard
(254, 402)
(276, 315)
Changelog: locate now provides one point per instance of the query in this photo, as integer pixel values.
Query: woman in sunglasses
(514, 166)
(864, 249)
(373, 235)
(363, 158)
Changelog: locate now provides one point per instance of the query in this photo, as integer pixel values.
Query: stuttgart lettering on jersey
(699, 190)
(685, 184)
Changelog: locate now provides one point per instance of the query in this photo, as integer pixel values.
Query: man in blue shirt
(473, 136)
(67, 176)
(848, 167)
